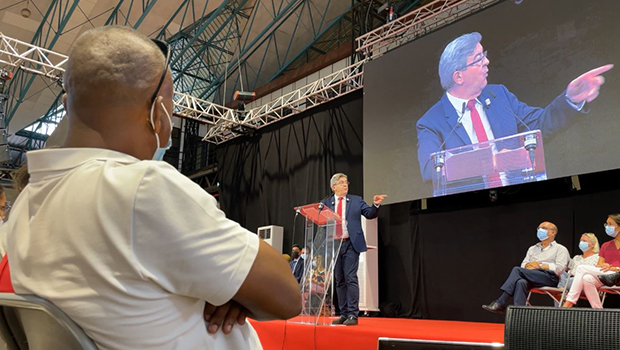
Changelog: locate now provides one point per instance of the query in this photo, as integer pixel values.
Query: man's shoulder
(560, 247)
(353, 197)
(431, 115)
(154, 169)
(498, 90)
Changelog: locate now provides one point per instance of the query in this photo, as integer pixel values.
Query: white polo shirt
(129, 249)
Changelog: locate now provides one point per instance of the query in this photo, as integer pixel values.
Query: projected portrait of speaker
(473, 113)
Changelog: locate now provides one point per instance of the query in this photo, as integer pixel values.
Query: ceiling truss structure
(205, 57)
(422, 21)
(316, 93)
(389, 36)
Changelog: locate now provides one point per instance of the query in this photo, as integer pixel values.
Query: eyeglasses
(6, 207)
(165, 49)
(343, 183)
(476, 62)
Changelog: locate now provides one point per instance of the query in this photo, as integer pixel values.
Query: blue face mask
(303, 256)
(584, 246)
(542, 234)
(610, 231)
(160, 151)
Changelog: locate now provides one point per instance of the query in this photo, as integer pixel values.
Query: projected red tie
(493, 180)
(476, 121)
(339, 212)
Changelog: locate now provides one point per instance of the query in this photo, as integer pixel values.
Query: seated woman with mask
(586, 277)
(588, 244)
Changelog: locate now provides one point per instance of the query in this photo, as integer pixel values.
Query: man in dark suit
(297, 263)
(350, 208)
(479, 112)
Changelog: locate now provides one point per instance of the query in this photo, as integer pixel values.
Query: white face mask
(160, 151)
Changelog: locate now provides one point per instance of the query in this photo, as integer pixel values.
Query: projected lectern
(505, 161)
(322, 247)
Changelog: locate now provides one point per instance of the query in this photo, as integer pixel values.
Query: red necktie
(339, 212)
(476, 121)
(494, 179)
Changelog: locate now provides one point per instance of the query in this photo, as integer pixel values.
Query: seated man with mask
(543, 264)
(134, 252)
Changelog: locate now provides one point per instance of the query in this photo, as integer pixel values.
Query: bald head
(112, 65)
(548, 226)
(110, 80)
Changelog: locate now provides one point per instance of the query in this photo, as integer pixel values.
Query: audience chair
(613, 290)
(44, 325)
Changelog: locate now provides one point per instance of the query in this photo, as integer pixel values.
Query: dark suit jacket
(298, 272)
(355, 208)
(436, 124)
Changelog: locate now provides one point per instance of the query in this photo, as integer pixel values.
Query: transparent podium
(505, 161)
(322, 246)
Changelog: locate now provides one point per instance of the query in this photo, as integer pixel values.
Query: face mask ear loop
(167, 115)
(153, 123)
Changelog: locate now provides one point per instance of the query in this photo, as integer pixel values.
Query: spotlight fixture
(25, 11)
(244, 96)
(6, 75)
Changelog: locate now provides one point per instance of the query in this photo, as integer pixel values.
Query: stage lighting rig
(391, 14)
(244, 96)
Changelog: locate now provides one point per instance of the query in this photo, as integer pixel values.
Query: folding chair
(605, 290)
(555, 293)
(44, 325)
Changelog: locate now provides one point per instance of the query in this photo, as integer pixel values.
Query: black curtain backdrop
(442, 262)
(262, 177)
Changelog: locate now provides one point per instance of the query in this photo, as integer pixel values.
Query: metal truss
(225, 123)
(207, 178)
(256, 40)
(417, 23)
(14, 53)
(6, 176)
(205, 112)
(321, 91)
(49, 31)
(24, 56)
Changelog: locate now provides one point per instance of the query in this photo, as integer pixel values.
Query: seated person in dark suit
(297, 263)
(543, 264)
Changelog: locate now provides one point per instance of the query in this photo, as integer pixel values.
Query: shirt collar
(457, 103)
(344, 198)
(539, 244)
(63, 159)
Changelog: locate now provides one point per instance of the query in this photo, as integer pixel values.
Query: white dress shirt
(554, 255)
(466, 117)
(345, 232)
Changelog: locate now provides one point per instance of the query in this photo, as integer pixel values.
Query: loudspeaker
(553, 328)
(418, 344)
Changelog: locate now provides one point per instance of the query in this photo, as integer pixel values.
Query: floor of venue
(290, 335)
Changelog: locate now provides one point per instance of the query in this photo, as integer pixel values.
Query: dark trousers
(521, 280)
(347, 285)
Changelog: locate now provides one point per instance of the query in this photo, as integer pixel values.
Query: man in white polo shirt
(128, 247)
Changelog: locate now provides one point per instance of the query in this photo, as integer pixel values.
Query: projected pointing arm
(586, 86)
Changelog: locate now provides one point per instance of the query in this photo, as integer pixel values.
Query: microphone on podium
(439, 161)
(530, 142)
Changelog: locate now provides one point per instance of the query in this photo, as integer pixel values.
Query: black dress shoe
(351, 321)
(495, 307)
(613, 279)
(341, 320)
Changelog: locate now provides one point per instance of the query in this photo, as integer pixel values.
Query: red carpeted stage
(365, 335)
